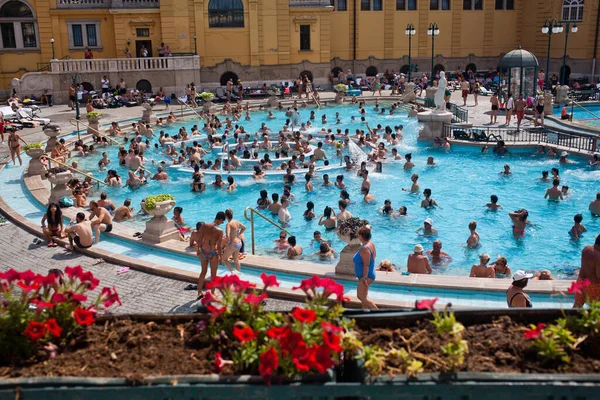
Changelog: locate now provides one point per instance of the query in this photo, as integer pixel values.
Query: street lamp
(195, 46)
(550, 26)
(433, 31)
(52, 42)
(564, 72)
(410, 32)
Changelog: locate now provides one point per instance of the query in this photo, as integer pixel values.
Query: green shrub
(152, 200)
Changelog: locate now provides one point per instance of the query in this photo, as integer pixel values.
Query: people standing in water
(233, 241)
(210, 243)
(364, 267)
(473, 240)
(519, 219)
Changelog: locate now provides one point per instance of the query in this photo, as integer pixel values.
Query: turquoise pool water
(462, 182)
(588, 116)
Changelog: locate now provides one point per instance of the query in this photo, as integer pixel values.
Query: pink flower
(215, 311)
(40, 304)
(209, 298)
(89, 279)
(80, 298)
(110, 296)
(332, 287)
(269, 280)
(535, 332)
(427, 304)
(74, 272)
(579, 286)
(218, 362)
(58, 298)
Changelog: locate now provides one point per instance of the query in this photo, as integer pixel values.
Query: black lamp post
(573, 29)
(433, 31)
(195, 46)
(550, 26)
(52, 43)
(410, 32)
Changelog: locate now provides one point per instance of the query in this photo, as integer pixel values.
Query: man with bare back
(210, 245)
(590, 270)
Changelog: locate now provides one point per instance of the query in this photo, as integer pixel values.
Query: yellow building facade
(271, 40)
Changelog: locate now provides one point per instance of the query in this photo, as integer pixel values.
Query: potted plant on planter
(347, 231)
(158, 206)
(52, 132)
(94, 116)
(340, 92)
(207, 98)
(35, 151)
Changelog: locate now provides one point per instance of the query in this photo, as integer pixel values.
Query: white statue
(440, 104)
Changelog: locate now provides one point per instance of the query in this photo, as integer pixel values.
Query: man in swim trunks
(590, 269)
(554, 193)
(103, 221)
(210, 244)
(520, 106)
(595, 206)
(80, 233)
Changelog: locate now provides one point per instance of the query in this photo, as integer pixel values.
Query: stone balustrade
(124, 64)
(310, 3)
(79, 4)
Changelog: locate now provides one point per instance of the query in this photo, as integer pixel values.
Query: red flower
(244, 334)
(330, 327)
(254, 299)
(80, 298)
(90, 281)
(28, 276)
(427, 304)
(215, 311)
(74, 272)
(110, 296)
(332, 341)
(28, 287)
(218, 362)
(323, 359)
(303, 357)
(84, 317)
(269, 280)
(332, 287)
(11, 275)
(233, 281)
(40, 304)
(58, 298)
(53, 327)
(291, 342)
(302, 315)
(49, 280)
(269, 361)
(308, 284)
(209, 298)
(35, 331)
(535, 332)
(278, 332)
(215, 283)
(579, 286)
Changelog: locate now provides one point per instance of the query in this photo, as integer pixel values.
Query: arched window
(336, 71)
(572, 10)
(404, 69)
(88, 87)
(307, 74)
(436, 70)
(18, 26)
(371, 71)
(471, 67)
(226, 76)
(225, 14)
(144, 85)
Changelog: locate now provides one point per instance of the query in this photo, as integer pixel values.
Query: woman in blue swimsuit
(364, 267)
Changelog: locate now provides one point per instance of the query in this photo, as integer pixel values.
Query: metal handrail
(251, 219)
(73, 169)
(100, 134)
(579, 105)
(190, 107)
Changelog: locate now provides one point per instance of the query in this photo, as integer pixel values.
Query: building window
(84, 34)
(17, 26)
(472, 4)
(368, 5)
(305, 37)
(572, 10)
(406, 5)
(142, 32)
(439, 4)
(225, 14)
(339, 5)
(505, 4)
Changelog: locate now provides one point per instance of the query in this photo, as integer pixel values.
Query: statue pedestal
(59, 188)
(345, 265)
(35, 165)
(430, 92)
(273, 102)
(547, 103)
(339, 97)
(562, 93)
(209, 107)
(148, 116)
(160, 229)
(433, 123)
(93, 127)
(409, 95)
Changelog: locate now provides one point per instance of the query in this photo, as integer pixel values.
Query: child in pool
(309, 214)
(577, 228)
(281, 244)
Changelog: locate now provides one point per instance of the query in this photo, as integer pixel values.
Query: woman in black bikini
(515, 297)
(15, 146)
(539, 111)
(55, 226)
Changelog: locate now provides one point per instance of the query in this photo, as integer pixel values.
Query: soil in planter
(495, 347)
(124, 348)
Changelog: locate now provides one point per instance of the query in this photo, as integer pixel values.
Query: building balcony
(106, 4)
(107, 65)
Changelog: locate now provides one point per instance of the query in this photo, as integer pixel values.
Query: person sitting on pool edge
(80, 234)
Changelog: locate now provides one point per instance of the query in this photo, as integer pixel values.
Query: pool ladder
(251, 219)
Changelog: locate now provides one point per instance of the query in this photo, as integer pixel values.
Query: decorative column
(35, 165)
(52, 131)
(59, 188)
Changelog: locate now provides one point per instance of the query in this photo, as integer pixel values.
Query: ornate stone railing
(310, 3)
(124, 64)
(78, 4)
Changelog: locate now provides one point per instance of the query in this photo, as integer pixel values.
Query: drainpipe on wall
(354, 40)
(596, 42)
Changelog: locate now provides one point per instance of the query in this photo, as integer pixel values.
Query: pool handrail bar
(583, 108)
(251, 219)
(182, 103)
(72, 169)
(100, 134)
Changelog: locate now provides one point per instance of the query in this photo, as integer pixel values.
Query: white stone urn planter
(339, 97)
(208, 106)
(59, 186)
(147, 114)
(345, 265)
(94, 124)
(36, 167)
(160, 228)
(52, 133)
